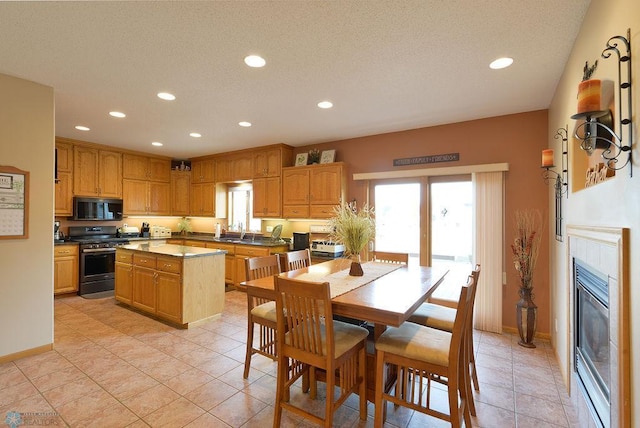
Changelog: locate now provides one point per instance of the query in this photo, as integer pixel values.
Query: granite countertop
(173, 250)
(260, 242)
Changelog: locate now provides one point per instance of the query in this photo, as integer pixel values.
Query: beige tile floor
(113, 367)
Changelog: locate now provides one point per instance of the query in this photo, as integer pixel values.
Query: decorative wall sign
(14, 203)
(449, 157)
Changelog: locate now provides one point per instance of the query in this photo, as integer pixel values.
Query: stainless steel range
(97, 256)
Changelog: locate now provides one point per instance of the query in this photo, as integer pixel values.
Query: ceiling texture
(385, 65)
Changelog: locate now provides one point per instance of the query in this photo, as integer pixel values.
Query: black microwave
(97, 209)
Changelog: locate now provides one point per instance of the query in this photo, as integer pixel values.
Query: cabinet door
(85, 171)
(110, 174)
(295, 186)
(203, 199)
(64, 194)
(65, 270)
(180, 189)
(203, 171)
(159, 170)
(267, 163)
(259, 197)
(326, 185)
(159, 198)
(134, 167)
(134, 197)
(124, 282)
(224, 169)
(64, 157)
(243, 167)
(169, 296)
(144, 289)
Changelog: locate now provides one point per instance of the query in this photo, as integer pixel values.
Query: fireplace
(598, 273)
(591, 341)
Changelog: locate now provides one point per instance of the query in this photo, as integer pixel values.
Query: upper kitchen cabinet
(203, 170)
(266, 197)
(312, 191)
(143, 197)
(97, 172)
(64, 179)
(180, 188)
(234, 167)
(268, 162)
(137, 167)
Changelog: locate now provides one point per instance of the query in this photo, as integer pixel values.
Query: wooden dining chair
(442, 317)
(387, 257)
(420, 352)
(261, 309)
(309, 340)
(297, 259)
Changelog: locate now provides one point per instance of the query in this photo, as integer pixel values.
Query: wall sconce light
(558, 179)
(596, 131)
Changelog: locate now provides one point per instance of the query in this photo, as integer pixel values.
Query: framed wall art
(301, 159)
(14, 203)
(328, 156)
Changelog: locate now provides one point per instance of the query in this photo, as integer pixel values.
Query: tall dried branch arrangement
(355, 229)
(526, 244)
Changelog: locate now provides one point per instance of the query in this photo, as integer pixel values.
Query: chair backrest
(387, 257)
(303, 308)
(259, 267)
(297, 259)
(460, 324)
(475, 273)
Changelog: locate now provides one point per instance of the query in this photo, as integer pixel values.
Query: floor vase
(526, 318)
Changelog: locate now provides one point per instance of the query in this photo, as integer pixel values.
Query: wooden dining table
(385, 301)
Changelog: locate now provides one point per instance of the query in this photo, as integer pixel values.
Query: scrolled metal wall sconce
(557, 179)
(596, 131)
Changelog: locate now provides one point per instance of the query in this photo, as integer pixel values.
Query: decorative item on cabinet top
(180, 165)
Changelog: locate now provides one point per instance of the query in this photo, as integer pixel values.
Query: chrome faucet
(241, 228)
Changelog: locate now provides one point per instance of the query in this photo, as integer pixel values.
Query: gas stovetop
(96, 236)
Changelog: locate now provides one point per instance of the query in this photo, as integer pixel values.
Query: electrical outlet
(556, 324)
(269, 228)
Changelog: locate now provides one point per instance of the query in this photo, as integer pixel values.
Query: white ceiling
(386, 66)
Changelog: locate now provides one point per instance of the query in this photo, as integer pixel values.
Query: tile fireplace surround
(605, 250)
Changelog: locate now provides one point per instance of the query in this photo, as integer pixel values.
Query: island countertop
(173, 250)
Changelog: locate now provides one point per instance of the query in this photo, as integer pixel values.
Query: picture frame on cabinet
(328, 156)
(301, 159)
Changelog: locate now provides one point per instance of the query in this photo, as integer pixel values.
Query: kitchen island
(180, 284)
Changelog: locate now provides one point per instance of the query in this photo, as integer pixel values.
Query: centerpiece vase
(526, 316)
(356, 266)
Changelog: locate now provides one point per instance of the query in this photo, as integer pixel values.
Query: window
(241, 209)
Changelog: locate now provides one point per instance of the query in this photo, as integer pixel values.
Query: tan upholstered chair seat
(345, 337)
(265, 311)
(436, 316)
(416, 342)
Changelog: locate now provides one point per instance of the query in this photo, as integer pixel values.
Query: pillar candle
(547, 158)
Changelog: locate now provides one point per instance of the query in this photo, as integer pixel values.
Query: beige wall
(614, 203)
(26, 265)
(516, 139)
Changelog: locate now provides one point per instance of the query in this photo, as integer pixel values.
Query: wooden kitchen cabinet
(266, 197)
(146, 197)
(203, 199)
(64, 194)
(180, 193)
(64, 156)
(138, 167)
(243, 252)
(97, 172)
(65, 269)
(229, 260)
(312, 191)
(124, 276)
(203, 170)
(269, 162)
(169, 288)
(234, 167)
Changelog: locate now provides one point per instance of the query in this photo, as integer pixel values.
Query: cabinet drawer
(169, 264)
(65, 250)
(123, 256)
(251, 251)
(144, 260)
(295, 211)
(175, 241)
(229, 248)
(194, 243)
(321, 211)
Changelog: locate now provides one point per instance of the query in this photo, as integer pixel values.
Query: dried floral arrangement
(353, 228)
(526, 244)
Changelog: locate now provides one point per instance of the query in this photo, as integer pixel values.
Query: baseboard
(26, 353)
(512, 330)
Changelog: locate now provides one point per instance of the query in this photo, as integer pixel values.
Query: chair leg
(362, 373)
(472, 363)
(329, 404)
(247, 358)
(454, 412)
(379, 402)
(466, 381)
(280, 391)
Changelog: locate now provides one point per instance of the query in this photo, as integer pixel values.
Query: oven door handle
(99, 250)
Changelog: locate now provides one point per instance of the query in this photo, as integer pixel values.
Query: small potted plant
(589, 90)
(184, 226)
(355, 229)
(314, 156)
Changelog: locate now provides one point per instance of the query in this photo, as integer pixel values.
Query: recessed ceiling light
(82, 128)
(195, 135)
(254, 61)
(117, 114)
(501, 63)
(325, 104)
(156, 143)
(166, 96)
(244, 124)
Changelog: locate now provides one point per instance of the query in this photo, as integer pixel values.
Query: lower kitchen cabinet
(124, 277)
(229, 260)
(243, 252)
(65, 269)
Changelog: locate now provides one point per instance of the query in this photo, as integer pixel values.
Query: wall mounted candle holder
(557, 179)
(596, 132)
